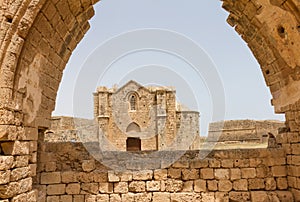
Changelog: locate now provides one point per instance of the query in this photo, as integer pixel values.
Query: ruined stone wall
(67, 172)
(243, 130)
(70, 129)
(187, 134)
(290, 140)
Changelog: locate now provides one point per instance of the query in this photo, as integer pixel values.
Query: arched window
(133, 102)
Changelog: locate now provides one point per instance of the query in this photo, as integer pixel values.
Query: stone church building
(138, 118)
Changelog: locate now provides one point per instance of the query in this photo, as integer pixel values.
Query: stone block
(153, 185)
(19, 173)
(208, 197)
(50, 178)
(248, 173)
(174, 173)
(21, 161)
(106, 187)
(259, 196)
(285, 196)
(255, 184)
(282, 183)
(50, 166)
(32, 170)
(6, 162)
(143, 197)
(88, 165)
(263, 172)
(126, 176)
(240, 185)
(225, 185)
(221, 174)
(235, 174)
(53, 199)
(199, 164)
(199, 185)
(92, 188)
(239, 196)
(227, 163)
(255, 162)
(56, 189)
(115, 198)
(120, 187)
(190, 174)
(100, 177)
(279, 171)
(15, 148)
(221, 197)
(68, 177)
(207, 173)
(112, 177)
(85, 177)
(185, 197)
(242, 163)
(90, 198)
(32, 146)
(173, 185)
(214, 163)
(161, 174)
(143, 175)
(137, 186)
(295, 149)
(66, 198)
(73, 188)
(78, 198)
(102, 198)
(129, 197)
(4, 177)
(270, 184)
(33, 157)
(181, 164)
(295, 160)
(188, 186)
(212, 185)
(161, 197)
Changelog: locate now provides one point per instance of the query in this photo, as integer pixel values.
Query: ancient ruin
(37, 38)
(135, 117)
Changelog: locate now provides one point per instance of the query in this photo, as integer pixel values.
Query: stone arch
(133, 127)
(37, 38)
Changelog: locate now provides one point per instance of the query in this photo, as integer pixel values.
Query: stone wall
(234, 132)
(70, 129)
(243, 130)
(37, 38)
(67, 172)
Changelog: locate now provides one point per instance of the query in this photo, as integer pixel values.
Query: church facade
(138, 118)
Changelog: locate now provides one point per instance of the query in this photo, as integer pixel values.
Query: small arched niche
(133, 127)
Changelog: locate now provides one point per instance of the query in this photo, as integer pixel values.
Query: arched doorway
(133, 144)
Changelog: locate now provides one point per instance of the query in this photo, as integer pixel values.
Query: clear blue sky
(246, 94)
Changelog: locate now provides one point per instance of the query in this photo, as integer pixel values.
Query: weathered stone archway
(37, 38)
